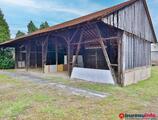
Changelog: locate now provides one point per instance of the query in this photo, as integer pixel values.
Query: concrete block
(93, 75)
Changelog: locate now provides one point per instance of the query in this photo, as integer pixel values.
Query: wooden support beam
(115, 65)
(42, 44)
(28, 49)
(56, 52)
(35, 54)
(78, 50)
(16, 57)
(96, 40)
(96, 59)
(69, 58)
(107, 59)
(69, 40)
(44, 51)
(101, 42)
(120, 78)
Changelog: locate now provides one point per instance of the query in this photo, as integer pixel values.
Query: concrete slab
(93, 75)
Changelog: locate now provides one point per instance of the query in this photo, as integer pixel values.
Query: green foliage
(19, 34)
(6, 59)
(44, 25)
(31, 27)
(4, 29)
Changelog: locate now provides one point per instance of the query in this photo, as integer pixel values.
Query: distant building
(154, 54)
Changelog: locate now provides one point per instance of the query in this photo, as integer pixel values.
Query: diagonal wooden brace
(101, 42)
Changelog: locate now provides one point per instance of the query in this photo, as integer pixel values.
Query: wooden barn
(109, 46)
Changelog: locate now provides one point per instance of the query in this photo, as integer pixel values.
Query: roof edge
(150, 20)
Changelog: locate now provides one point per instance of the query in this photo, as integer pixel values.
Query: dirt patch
(40, 80)
(152, 107)
(5, 86)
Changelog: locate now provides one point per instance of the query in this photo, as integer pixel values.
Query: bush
(6, 59)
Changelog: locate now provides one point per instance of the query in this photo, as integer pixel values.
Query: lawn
(23, 100)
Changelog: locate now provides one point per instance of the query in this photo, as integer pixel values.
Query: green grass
(27, 100)
(13, 108)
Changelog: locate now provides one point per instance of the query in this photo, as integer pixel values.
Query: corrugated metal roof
(90, 17)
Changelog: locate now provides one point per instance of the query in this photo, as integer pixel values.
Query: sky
(19, 12)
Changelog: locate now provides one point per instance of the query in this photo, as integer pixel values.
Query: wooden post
(35, 54)
(28, 50)
(43, 56)
(96, 63)
(16, 57)
(78, 50)
(69, 58)
(44, 52)
(101, 42)
(119, 60)
(56, 52)
(69, 50)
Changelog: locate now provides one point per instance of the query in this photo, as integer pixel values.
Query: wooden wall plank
(136, 51)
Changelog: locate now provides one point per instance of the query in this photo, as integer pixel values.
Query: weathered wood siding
(132, 19)
(136, 52)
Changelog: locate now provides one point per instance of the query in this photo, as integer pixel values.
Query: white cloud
(44, 6)
(49, 10)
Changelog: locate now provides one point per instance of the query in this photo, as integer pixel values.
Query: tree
(6, 58)
(4, 28)
(31, 27)
(19, 33)
(44, 25)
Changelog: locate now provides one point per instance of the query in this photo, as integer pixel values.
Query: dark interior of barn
(84, 45)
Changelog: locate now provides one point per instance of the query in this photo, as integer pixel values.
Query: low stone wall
(136, 75)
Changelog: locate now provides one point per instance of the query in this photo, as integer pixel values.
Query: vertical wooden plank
(56, 52)
(42, 44)
(96, 63)
(124, 60)
(134, 51)
(35, 54)
(44, 52)
(120, 59)
(16, 57)
(28, 50)
(69, 58)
